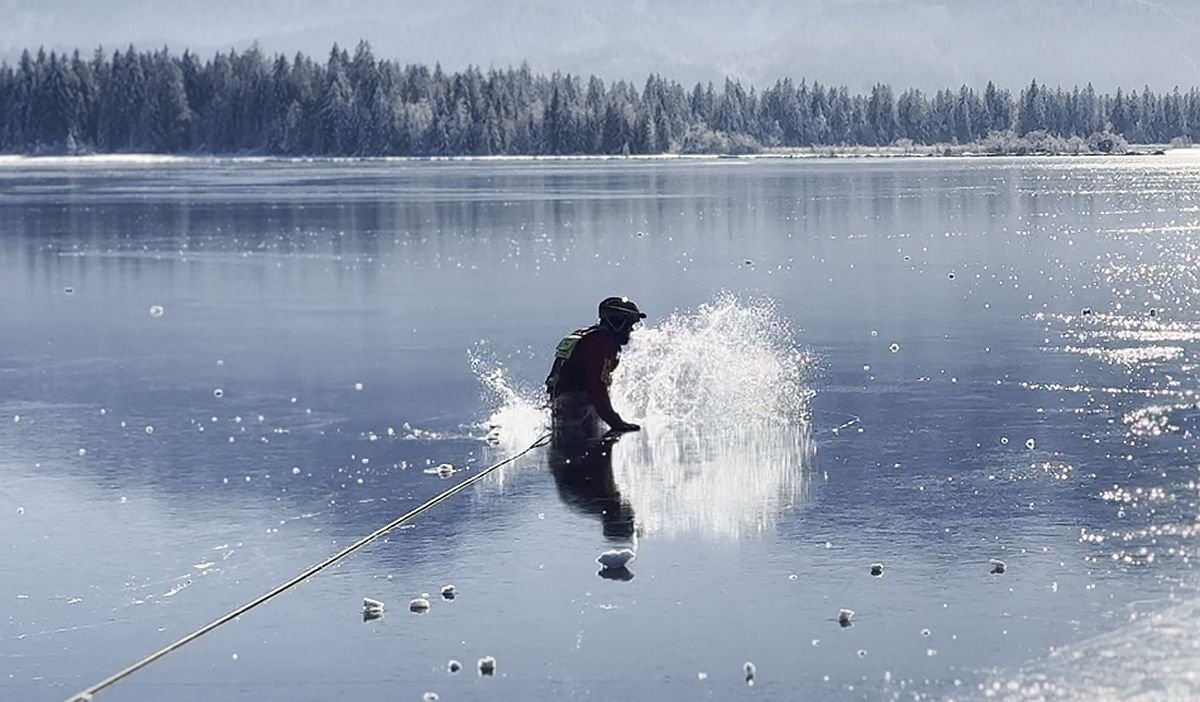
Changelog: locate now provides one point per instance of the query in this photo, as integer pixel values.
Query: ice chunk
(442, 471)
(487, 665)
(370, 606)
(453, 666)
(419, 605)
(449, 592)
(616, 558)
(845, 616)
(998, 566)
(877, 569)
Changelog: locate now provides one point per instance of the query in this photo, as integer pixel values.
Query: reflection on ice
(723, 484)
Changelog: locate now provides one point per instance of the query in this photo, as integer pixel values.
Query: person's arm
(596, 354)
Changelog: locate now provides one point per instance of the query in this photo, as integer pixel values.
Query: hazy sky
(927, 43)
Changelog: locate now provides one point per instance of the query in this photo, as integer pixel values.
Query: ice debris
(616, 558)
(998, 566)
(845, 616)
(442, 471)
(877, 569)
(453, 666)
(372, 607)
(449, 592)
(419, 605)
(750, 670)
(487, 665)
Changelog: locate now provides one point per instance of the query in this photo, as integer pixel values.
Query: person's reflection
(583, 472)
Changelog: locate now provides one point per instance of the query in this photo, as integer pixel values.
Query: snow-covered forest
(354, 103)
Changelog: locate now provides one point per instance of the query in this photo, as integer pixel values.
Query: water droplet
(157, 311)
(862, 653)
(82, 452)
(235, 656)
(454, 666)
(1004, 440)
(950, 276)
(69, 290)
(430, 697)
(894, 348)
(358, 386)
(20, 510)
(874, 333)
(218, 393)
(16, 419)
(925, 632)
(149, 429)
(702, 675)
(1030, 444)
(295, 470)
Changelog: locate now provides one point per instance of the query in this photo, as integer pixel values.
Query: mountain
(926, 43)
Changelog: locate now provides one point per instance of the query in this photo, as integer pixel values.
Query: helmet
(620, 313)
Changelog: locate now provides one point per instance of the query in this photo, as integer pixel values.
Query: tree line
(354, 104)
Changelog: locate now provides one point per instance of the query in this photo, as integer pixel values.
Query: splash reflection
(725, 484)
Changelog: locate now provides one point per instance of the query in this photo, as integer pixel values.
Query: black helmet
(620, 313)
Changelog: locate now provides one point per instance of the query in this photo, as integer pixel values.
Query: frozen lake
(215, 373)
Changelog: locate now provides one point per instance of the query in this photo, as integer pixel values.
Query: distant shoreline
(814, 154)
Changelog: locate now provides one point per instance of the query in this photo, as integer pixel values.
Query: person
(582, 372)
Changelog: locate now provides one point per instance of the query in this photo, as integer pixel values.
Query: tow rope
(86, 694)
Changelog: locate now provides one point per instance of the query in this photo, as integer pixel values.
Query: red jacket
(584, 362)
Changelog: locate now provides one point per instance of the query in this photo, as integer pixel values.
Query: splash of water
(723, 394)
(731, 362)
